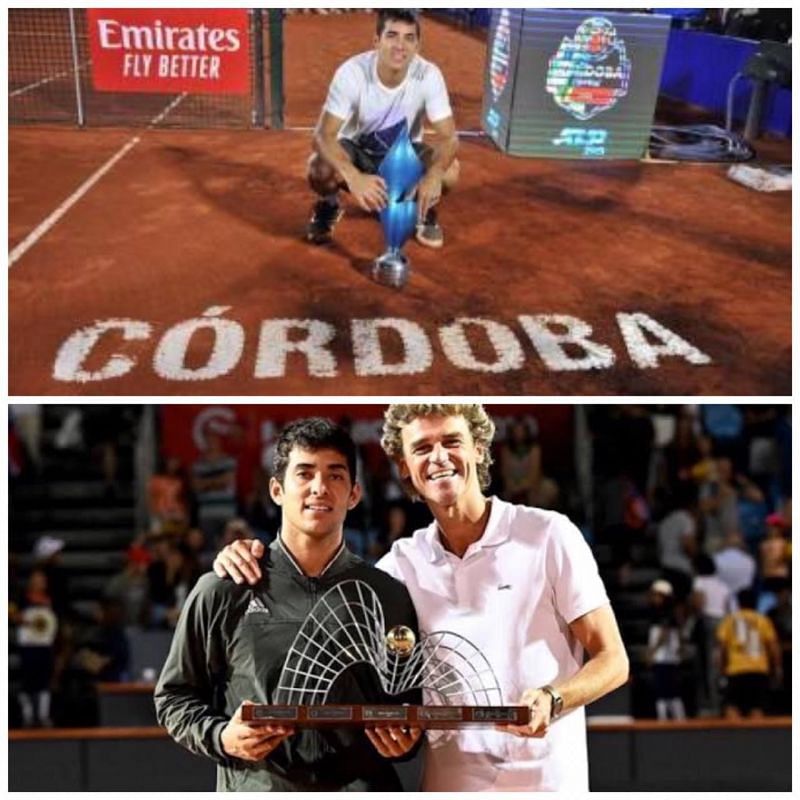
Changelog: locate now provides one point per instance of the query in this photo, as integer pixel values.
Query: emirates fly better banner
(170, 50)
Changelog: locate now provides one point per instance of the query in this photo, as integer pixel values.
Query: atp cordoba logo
(591, 72)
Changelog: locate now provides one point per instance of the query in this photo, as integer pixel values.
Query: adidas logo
(256, 607)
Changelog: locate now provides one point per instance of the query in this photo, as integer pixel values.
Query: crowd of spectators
(63, 651)
(711, 487)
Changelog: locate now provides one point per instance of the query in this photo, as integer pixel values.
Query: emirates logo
(116, 35)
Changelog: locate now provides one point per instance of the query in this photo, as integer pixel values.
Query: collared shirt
(512, 595)
(280, 545)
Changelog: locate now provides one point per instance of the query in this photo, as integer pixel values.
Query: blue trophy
(401, 170)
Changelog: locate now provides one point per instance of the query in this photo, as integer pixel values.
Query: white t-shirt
(669, 651)
(718, 602)
(374, 114)
(512, 595)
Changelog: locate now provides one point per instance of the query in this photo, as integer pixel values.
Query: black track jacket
(222, 655)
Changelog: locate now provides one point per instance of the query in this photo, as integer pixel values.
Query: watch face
(557, 702)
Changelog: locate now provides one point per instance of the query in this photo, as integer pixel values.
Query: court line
(174, 104)
(43, 81)
(40, 230)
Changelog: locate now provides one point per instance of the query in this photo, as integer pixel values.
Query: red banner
(248, 431)
(170, 50)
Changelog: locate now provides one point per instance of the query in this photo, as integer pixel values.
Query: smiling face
(397, 45)
(440, 458)
(315, 495)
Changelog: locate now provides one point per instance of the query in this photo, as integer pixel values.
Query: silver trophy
(346, 627)
(401, 170)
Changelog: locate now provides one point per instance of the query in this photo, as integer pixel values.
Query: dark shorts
(667, 681)
(747, 691)
(37, 668)
(369, 162)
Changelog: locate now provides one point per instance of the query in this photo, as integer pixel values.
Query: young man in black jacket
(232, 641)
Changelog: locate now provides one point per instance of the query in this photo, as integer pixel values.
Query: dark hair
(747, 598)
(407, 15)
(705, 565)
(686, 496)
(313, 434)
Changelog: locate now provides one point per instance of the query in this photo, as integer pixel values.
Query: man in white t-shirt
(371, 98)
(520, 583)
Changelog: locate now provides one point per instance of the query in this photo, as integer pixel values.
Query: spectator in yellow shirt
(749, 653)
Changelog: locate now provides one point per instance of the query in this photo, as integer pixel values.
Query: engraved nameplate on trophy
(426, 717)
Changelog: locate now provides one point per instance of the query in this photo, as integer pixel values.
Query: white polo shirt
(373, 114)
(512, 595)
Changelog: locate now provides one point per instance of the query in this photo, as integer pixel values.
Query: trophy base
(392, 269)
(426, 717)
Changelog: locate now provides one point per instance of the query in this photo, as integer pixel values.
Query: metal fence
(467, 18)
(50, 81)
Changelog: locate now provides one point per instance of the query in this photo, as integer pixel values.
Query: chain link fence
(50, 79)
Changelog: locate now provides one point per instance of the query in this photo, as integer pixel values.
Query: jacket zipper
(313, 591)
(313, 585)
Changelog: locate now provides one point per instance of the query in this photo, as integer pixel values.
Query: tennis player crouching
(370, 99)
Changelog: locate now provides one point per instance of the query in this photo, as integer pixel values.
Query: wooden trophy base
(362, 716)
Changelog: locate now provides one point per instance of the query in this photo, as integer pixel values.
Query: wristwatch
(557, 701)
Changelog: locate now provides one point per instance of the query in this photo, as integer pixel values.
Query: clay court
(187, 223)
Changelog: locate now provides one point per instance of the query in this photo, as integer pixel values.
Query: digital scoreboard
(562, 83)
